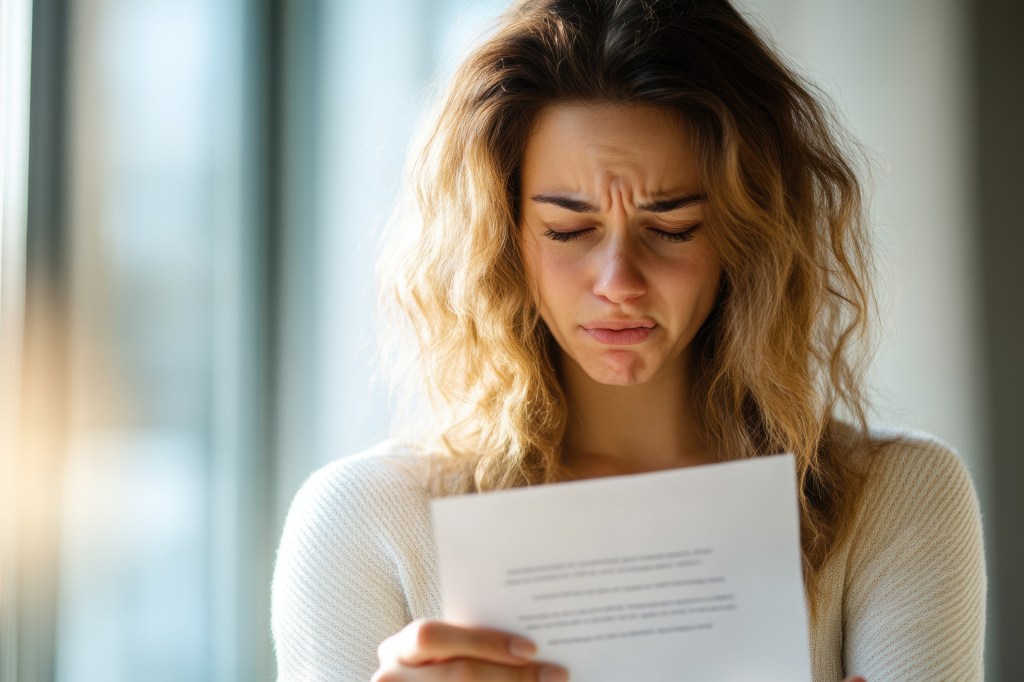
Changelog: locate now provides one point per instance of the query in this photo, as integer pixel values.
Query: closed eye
(567, 236)
(677, 237)
(674, 236)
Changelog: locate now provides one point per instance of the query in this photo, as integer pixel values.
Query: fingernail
(550, 673)
(523, 648)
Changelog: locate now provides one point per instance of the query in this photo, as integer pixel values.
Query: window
(206, 186)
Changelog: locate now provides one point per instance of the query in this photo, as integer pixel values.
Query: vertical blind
(15, 50)
(210, 182)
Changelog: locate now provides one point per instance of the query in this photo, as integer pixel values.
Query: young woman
(637, 243)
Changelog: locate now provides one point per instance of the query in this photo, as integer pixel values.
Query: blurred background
(191, 193)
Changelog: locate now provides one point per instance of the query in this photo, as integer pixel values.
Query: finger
(470, 669)
(428, 641)
(855, 678)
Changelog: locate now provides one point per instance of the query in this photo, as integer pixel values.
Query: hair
(780, 359)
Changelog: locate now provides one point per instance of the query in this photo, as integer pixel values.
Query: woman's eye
(674, 236)
(569, 236)
(677, 237)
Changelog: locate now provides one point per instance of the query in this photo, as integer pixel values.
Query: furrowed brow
(580, 206)
(568, 203)
(666, 205)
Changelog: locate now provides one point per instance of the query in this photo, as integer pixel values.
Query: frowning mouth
(617, 325)
(619, 332)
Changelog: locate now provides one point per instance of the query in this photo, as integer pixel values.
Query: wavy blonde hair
(782, 354)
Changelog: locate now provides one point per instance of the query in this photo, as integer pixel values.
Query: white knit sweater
(904, 599)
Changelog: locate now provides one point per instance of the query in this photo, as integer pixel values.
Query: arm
(352, 565)
(336, 596)
(914, 604)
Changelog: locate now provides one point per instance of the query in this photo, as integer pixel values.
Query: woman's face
(611, 232)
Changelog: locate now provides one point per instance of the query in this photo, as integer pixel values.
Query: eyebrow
(580, 206)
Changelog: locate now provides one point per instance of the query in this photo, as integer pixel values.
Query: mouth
(619, 332)
(619, 325)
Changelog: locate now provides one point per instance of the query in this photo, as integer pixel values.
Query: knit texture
(902, 599)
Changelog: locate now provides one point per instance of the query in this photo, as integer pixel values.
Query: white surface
(688, 574)
(899, 74)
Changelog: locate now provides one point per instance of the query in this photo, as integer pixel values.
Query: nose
(619, 278)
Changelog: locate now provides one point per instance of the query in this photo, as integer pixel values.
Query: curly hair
(780, 360)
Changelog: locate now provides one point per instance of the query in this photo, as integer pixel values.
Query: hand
(855, 678)
(436, 650)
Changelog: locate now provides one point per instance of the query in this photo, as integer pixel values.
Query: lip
(617, 325)
(619, 332)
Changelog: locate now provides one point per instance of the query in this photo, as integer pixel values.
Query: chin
(620, 381)
(618, 371)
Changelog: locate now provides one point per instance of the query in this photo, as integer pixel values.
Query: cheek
(548, 279)
(552, 283)
(694, 283)
(553, 278)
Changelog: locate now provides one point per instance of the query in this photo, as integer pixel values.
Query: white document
(685, 575)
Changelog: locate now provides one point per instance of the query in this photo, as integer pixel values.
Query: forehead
(585, 148)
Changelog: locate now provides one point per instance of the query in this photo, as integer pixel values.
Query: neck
(631, 429)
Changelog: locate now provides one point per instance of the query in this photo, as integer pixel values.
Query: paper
(691, 574)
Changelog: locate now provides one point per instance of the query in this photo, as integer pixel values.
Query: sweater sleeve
(338, 588)
(914, 607)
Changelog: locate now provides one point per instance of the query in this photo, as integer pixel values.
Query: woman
(638, 243)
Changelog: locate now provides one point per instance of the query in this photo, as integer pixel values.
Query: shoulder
(353, 563)
(351, 512)
(908, 468)
(917, 489)
(360, 496)
(914, 594)
(389, 474)
(360, 502)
